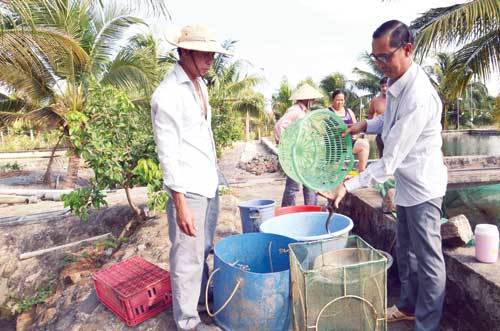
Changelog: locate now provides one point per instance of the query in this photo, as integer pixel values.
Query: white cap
(485, 229)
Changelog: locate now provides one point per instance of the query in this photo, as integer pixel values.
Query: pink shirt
(295, 112)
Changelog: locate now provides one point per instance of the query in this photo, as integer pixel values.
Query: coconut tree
(473, 28)
(444, 77)
(368, 80)
(440, 73)
(477, 104)
(280, 101)
(496, 111)
(232, 91)
(333, 82)
(49, 48)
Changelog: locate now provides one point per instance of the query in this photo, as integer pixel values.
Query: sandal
(394, 315)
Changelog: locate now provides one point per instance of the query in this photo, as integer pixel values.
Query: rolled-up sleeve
(167, 119)
(398, 144)
(375, 124)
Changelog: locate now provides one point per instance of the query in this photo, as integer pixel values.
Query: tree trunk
(445, 116)
(72, 173)
(135, 221)
(46, 178)
(132, 205)
(247, 126)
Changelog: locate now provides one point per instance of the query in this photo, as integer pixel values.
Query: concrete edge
(269, 145)
(472, 299)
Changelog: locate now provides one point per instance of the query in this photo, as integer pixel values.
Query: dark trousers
(380, 145)
(421, 263)
(291, 190)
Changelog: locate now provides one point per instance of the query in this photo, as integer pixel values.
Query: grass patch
(40, 297)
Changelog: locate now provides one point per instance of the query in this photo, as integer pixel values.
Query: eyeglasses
(384, 57)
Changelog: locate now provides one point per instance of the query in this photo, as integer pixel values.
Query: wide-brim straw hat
(306, 92)
(197, 38)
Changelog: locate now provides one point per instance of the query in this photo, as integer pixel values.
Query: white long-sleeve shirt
(411, 131)
(183, 136)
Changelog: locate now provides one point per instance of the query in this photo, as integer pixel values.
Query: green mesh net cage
(338, 286)
(313, 152)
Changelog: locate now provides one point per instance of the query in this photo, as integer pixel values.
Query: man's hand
(185, 218)
(355, 128)
(336, 195)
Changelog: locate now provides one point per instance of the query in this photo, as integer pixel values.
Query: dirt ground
(74, 306)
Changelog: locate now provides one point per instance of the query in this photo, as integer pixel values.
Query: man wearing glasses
(411, 132)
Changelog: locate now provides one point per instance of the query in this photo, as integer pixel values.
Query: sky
(298, 39)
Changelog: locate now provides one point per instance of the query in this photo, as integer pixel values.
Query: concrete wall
(35, 160)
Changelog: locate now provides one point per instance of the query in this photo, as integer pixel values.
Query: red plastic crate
(134, 289)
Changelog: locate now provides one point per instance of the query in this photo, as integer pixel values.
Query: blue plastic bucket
(254, 212)
(308, 226)
(251, 281)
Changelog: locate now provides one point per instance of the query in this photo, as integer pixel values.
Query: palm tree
(444, 78)
(281, 100)
(473, 27)
(368, 80)
(49, 48)
(333, 82)
(230, 90)
(477, 104)
(496, 111)
(439, 74)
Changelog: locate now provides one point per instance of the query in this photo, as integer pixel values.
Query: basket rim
(382, 258)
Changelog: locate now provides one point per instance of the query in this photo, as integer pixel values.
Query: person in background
(181, 117)
(411, 131)
(360, 146)
(377, 108)
(303, 97)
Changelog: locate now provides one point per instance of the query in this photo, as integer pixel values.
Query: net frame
(368, 291)
(313, 152)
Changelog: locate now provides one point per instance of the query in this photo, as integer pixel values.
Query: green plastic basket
(285, 149)
(313, 152)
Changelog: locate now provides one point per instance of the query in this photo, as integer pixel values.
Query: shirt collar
(181, 75)
(398, 86)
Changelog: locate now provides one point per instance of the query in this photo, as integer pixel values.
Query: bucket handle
(228, 299)
(254, 213)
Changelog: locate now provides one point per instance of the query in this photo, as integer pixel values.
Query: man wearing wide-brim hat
(181, 117)
(304, 96)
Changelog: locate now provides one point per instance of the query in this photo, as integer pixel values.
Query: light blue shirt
(183, 135)
(411, 132)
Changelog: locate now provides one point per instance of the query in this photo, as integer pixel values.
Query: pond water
(457, 144)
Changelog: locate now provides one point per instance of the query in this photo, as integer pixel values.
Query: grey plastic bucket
(254, 212)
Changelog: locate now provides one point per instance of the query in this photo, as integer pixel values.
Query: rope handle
(225, 303)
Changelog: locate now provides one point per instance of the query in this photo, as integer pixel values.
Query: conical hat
(198, 38)
(306, 92)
